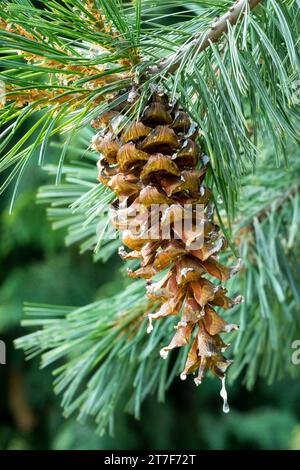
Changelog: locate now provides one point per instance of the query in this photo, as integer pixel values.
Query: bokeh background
(37, 267)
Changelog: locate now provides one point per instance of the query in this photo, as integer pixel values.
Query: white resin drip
(164, 353)
(150, 326)
(116, 122)
(230, 327)
(238, 300)
(223, 394)
(132, 96)
(236, 268)
(183, 376)
(185, 271)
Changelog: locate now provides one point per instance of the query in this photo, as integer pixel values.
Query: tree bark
(214, 33)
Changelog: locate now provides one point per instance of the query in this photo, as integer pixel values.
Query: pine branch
(54, 57)
(96, 343)
(267, 232)
(108, 361)
(279, 202)
(202, 42)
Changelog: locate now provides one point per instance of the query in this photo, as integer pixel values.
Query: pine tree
(148, 90)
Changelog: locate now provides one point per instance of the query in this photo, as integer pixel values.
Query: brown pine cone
(155, 162)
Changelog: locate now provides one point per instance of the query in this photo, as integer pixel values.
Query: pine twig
(218, 27)
(278, 203)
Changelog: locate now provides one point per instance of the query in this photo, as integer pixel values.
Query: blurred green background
(37, 267)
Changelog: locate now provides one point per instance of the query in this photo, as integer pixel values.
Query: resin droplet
(183, 376)
(185, 271)
(150, 326)
(132, 96)
(223, 394)
(236, 268)
(163, 353)
(230, 327)
(239, 299)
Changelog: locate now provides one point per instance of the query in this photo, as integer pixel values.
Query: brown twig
(278, 203)
(218, 27)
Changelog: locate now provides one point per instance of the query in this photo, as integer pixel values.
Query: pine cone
(155, 161)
